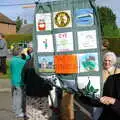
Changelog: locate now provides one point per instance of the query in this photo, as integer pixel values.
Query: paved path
(5, 85)
(5, 107)
(5, 101)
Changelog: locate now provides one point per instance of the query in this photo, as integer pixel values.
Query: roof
(5, 19)
(26, 29)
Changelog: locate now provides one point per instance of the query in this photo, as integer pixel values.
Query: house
(26, 29)
(7, 26)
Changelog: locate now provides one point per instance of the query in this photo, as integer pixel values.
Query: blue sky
(27, 13)
(18, 10)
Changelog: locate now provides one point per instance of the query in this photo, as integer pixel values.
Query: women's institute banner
(67, 41)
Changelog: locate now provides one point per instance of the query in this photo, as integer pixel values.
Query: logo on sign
(41, 25)
(62, 19)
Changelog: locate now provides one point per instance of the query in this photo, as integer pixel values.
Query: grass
(6, 76)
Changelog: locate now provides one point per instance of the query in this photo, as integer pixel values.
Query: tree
(18, 23)
(108, 21)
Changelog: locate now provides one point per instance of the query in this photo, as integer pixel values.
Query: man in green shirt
(16, 66)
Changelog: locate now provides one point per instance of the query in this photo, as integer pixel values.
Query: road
(6, 101)
(5, 106)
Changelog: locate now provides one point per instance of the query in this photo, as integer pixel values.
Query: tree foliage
(108, 21)
(18, 23)
(17, 38)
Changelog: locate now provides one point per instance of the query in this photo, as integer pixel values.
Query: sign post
(67, 43)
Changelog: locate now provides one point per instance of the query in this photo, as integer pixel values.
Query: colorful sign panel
(67, 43)
(62, 19)
(87, 39)
(43, 21)
(64, 42)
(90, 85)
(46, 63)
(66, 64)
(88, 62)
(84, 17)
(45, 43)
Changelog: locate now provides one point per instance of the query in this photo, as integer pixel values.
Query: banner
(67, 42)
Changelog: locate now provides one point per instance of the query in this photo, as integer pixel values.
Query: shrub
(114, 45)
(18, 38)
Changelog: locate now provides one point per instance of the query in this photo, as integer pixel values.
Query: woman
(109, 68)
(37, 91)
(110, 102)
(111, 98)
(109, 61)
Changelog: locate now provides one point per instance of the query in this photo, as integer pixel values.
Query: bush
(114, 45)
(18, 38)
(110, 31)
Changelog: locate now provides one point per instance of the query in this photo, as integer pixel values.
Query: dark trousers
(3, 66)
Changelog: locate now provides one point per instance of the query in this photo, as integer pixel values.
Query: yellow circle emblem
(62, 19)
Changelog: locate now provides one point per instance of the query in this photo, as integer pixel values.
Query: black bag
(35, 85)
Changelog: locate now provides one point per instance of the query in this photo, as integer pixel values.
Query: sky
(27, 13)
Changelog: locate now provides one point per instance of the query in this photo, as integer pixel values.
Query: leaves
(108, 21)
(18, 23)
(89, 90)
(89, 65)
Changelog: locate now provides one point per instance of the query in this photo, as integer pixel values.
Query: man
(3, 54)
(16, 66)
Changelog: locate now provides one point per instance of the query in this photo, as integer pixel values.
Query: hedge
(114, 45)
(18, 38)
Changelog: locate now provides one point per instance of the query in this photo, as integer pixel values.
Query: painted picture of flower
(88, 62)
(90, 85)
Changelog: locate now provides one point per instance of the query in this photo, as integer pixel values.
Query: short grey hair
(16, 51)
(112, 54)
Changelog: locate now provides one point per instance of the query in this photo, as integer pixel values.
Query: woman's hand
(107, 100)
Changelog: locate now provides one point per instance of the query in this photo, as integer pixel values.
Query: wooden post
(67, 107)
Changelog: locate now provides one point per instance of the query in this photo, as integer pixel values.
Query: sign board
(67, 42)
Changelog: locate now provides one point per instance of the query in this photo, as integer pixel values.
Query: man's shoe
(20, 115)
(26, 117)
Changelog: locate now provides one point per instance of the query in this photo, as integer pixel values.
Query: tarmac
(6, 112)
(6, 101)
(5, 85)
